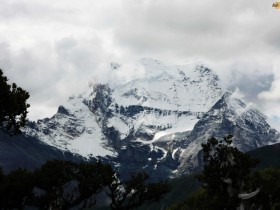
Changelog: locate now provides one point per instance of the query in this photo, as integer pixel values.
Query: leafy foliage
(225, 175)
(269, 182)
(15, 189)
(13, 106)
(65, 185)
(226, 172)
(207, 197)
(135, 192)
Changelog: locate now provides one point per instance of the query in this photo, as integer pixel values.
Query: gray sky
(53, 48)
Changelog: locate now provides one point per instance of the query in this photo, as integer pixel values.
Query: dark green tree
(93, 178)
(269, 182)
(135, 192)
(51, 182)
(226, 173)
(65, 185)
(16, 189)
(13, 106)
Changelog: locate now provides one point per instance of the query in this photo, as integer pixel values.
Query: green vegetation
(268, 182)
(181, 188)
(13, 106)
(227, 174)
(64, 185)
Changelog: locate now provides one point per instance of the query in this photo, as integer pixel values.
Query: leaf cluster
(269, 183)
(226, 172)
(13, 106)
(65, 185)
(136, 191)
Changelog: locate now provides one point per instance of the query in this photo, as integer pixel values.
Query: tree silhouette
(66, 185)
(226, 173)
(136, 191)
(13, 106)
(15, 189)
(269, 182)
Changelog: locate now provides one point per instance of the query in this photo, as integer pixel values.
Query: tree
(226, 173)
(93, 178)
(13, 106)
(135, 192)
(16, 189)
(51, 182)
(226, 178)
(66, 185)
(269, 182)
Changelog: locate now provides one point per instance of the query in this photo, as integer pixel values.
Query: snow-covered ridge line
(167, 99)
(156, 121)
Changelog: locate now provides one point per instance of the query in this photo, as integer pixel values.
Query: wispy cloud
(53, 49)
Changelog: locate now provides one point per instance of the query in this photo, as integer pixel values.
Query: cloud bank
(52, 49)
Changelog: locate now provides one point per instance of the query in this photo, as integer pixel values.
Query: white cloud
(238, 94)
(52, 49)
(273, 94)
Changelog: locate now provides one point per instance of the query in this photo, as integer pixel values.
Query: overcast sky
(53, 48)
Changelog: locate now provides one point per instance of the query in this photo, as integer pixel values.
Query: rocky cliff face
(155, 122)
(228, 116)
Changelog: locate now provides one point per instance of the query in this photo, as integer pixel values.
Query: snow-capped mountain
(228, 116)
(156, 121)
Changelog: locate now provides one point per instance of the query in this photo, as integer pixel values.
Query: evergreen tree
(136, 191)
(269, 182)
(66, 185)
(16, 189)
(226, 173)
(13, 106)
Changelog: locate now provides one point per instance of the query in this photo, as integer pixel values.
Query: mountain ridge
(156, 122)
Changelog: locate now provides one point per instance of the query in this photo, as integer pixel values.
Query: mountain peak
(164, 111)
